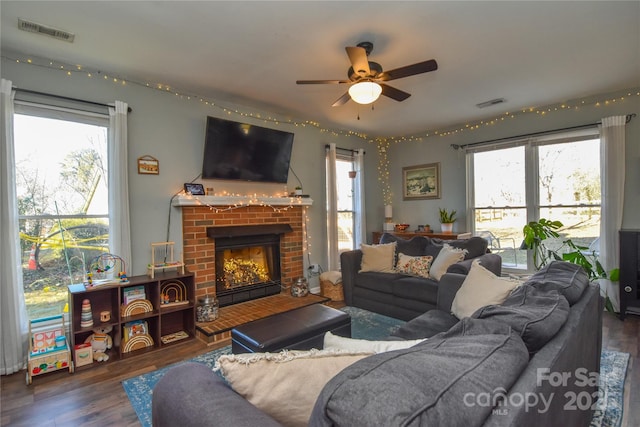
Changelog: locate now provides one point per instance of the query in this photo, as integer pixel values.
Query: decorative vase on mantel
(447, 227)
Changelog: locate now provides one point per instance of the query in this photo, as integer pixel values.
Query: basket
(331, 290)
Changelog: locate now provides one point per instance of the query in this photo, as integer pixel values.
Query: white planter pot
(447, 227)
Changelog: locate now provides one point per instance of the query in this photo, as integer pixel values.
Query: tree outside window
(62, 192)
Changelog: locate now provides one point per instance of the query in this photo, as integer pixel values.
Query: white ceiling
(252, 53)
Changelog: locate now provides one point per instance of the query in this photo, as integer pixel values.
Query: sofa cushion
(415, 288)
(536, 315)
(375, 281)
(567, 278)
(336, 342)
(185, 396)
(447, 256)
(414, 265)
(426, 325)
(475, 358)
(475, 246)
(379, 258)
(413, 247)
(271, 380)
(480, 288)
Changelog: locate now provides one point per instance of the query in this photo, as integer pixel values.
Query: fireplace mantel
(186, 200)
(247, 230)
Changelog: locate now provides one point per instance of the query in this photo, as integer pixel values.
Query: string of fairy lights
(242, 201)
(383, 144)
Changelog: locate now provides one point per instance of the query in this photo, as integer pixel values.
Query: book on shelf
(133, 293)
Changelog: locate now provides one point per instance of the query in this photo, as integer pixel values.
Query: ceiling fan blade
(359, 61)
(394, 93)
(320, 82)
(342, 100)
(409, 70)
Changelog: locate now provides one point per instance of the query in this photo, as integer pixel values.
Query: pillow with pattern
(414, 265)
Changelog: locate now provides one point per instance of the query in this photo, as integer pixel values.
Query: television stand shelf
(164, 314)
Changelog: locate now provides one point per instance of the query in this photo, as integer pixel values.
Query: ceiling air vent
(490, 103)
(33, 27)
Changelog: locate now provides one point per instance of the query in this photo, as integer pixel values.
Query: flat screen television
(245, 152)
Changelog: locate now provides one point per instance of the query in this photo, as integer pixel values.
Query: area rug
(373, 326)
(613, 369)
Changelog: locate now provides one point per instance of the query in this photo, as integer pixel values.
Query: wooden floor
(95, 397)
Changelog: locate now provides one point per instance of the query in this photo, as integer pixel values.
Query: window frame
(68, 113)
(344, 158)
(533, 204)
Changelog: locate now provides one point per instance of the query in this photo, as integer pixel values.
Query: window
(62, 191)
(346, 208)
(556, 177)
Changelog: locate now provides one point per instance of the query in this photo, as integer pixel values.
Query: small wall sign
(148, 165)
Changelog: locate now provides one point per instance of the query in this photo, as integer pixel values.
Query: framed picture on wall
(421, 182)
(148, 165)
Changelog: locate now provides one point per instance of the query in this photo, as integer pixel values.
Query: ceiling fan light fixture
(365, 92)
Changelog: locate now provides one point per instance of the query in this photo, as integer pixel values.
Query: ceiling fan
(367, 78)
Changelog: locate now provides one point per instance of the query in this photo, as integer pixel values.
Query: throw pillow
(565, 277)
(414, 265)
(479, 289)
(429, 383)
(536, 315)
(447, 256)
(336, 342)
(378, 258)
(274, 382)
(414, 246)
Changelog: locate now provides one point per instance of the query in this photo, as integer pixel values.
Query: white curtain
(119, 223)
(14, 323)
(612, 148)
(360, 233)
(333, 255)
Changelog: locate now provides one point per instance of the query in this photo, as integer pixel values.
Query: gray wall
(172, 130)
(438, 149)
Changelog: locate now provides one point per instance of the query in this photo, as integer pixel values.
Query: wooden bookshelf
(166, 318)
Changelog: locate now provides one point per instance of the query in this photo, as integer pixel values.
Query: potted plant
(447, 218)
(427, 228)
(298, 191)
(536, 232)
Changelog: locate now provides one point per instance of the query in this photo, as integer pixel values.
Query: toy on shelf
(102, 271)
(136, 336)
(86, 316)
(176, 336)
(139, 306)
(163, 251)
(173, 293)
(101, 342)
(83, 354)
(48, 347)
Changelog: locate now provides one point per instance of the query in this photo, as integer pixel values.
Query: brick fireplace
(199, 251)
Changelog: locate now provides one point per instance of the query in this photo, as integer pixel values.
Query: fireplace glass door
(247, 267)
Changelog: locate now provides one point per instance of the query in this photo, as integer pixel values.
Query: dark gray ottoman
(300, 329)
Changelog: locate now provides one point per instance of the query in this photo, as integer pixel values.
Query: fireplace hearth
(247, 261)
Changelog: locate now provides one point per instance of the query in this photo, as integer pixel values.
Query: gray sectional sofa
(403, 296)
(494, 368)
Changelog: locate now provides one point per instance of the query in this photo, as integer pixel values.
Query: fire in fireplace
(246, 266)
(247, 261)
